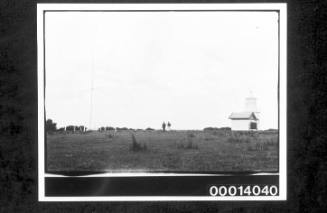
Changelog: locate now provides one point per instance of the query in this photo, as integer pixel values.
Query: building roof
(243, 116)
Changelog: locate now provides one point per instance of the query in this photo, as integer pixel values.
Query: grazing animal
(168, 125)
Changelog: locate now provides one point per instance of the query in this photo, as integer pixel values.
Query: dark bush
(70, 128)
(110, 136)
(50, 126)
(271, 130)
(225, 128)
(80, 128)
(136, 147)
(258, 146)
(109, 128)
(188, 143)
(210, 129)
(149, 129)
(239, 138)
(121, 128)
(208, 139)
(191, 135)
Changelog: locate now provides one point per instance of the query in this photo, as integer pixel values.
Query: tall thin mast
(91, 90)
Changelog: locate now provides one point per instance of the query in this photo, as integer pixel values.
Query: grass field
(163, 151)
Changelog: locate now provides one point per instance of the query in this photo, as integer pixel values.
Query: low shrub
(264, 144)
(109, 128)
(258, 147)
(191, 135)
(271, 141)
(121, 128)
(110, 136)
(219, 133)
(188, 143)
(217, 129)
(271, 130)
(135, 147)
(208, 138)
(238, 138)
(210, 129)
(225, 128)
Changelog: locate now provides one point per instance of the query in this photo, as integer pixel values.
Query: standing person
(168, 125)
(163, 126)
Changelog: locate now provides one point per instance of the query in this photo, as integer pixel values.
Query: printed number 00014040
(250, 190)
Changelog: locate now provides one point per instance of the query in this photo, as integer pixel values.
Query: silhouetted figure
(168, 125)
(163, 126)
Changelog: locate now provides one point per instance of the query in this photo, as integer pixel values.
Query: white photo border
(281, 8)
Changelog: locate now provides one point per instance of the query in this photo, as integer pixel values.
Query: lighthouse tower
(251, 105)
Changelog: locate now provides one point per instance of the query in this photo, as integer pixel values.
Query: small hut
(244, 121)
(248, 119)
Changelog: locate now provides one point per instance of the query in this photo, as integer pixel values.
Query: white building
(248, 119)
(244, 121)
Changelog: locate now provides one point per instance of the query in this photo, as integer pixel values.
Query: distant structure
(249, 118)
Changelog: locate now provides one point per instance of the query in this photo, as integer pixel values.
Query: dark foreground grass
(163, 151)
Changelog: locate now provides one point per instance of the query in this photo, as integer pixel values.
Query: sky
(192, 69)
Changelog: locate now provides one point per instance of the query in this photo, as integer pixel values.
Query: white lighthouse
(247, 119)
(251, 105)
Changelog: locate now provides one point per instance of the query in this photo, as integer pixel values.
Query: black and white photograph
(163, 106)
(163, 90)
